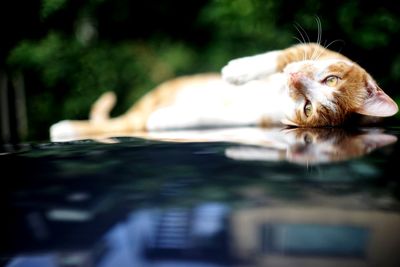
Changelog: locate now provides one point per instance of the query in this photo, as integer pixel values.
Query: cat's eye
(308, 109)
(331, 80)
(307, 139)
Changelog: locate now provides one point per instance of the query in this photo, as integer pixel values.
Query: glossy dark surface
(262, 198)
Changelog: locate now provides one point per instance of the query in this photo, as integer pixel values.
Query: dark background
(58, 56)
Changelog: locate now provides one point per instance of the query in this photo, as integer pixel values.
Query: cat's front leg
(243, 70)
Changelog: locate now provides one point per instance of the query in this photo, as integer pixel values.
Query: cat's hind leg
(243, 70)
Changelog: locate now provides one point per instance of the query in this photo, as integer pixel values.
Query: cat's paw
(246, 69)
(238, 71)
(62, 131)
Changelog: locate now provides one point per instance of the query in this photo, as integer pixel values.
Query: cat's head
(311, 146)
(323, 145)
(326, 92)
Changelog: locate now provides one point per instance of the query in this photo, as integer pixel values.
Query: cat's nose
(294, 75)
(295, 79)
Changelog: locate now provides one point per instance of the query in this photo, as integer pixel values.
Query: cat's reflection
(297, 145)
(314, 145)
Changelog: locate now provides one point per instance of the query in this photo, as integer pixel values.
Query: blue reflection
(47, 260)
(316, 239)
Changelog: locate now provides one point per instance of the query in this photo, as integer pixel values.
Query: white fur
(242, 70)
(62, 131)
(222, 104)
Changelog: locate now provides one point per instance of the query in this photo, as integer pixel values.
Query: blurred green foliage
(75, 50)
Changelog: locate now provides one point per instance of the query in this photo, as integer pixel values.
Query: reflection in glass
(315, 239)
(315, 145)
(297, 145)
(301, 235)
(213, 235)
(221, 197)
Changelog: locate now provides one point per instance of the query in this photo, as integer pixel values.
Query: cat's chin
(62, 131)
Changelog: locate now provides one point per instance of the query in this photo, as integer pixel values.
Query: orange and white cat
(305, 85)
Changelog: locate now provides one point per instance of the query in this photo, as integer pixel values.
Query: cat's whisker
(319, 38)
(302, 41)
(319, 25)
(300, 30)
(302, 37)
(322, 48)
(321, 51)
(317, 53)
(298, 39)
(304, 50)
(326, 47)
(334, 41)
(306, 56)
(303, 33)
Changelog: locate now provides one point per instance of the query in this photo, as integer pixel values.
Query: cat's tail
(100, 110)
(99, 122)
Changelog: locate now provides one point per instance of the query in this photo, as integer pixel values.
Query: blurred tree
(71, 51)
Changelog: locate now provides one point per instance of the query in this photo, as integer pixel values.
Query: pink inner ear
(378, 104)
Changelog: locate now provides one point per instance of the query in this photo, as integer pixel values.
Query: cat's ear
(378, 103)
(374, 140)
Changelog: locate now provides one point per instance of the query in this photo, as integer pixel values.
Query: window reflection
(214, 235)
(315, 239)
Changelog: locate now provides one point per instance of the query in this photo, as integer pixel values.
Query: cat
(305, 85)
